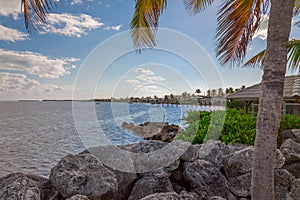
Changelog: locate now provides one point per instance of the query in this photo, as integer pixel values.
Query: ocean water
(35, 135)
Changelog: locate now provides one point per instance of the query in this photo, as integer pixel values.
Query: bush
(237, 127)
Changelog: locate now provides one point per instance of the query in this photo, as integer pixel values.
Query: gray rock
(293, 134)
(240, 162)
(154, 182)
(295, 190)
(283, 182)
(83, 174)
(161, 131)
(291, 151)
(152, 155)
(184, 195)
(190, 152)
(21, 186)
(213, 151)
(280, 159)
(78, 197)
(240, 186)
(293, 168)
(125, 182)
(205, 179)
(163, 196)
(216, 198)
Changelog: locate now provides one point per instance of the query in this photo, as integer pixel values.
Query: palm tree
(237, 22)
(198, 91)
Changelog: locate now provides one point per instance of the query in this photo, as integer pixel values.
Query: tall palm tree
(237, 22)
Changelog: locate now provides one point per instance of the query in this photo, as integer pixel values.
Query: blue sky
(71, 53)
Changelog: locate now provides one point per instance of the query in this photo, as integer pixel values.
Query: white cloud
(114, 28)
(11, 35)
(70, 25)
(75, 2)
(34, 63)
(262, 31)
(145, 77)
(142, 71)
(18, 86)
(10, 8)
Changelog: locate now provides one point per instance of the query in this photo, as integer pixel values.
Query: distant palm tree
(198, 91)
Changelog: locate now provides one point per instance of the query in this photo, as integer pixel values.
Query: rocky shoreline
(212, 171)
(162, 131)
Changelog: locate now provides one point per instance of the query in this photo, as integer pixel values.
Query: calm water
(34, 136)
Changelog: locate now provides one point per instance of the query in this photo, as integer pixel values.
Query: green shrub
(236, 128)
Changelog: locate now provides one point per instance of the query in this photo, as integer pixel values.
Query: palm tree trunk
(270, 99)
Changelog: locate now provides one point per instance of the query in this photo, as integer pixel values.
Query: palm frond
(196, 6)
(145, 22)
(297, 7)
(237, 22)
(35, 12)
(293, 57)
(257, 60)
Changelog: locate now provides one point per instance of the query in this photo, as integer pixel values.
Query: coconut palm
(237, 22)
(293, 48)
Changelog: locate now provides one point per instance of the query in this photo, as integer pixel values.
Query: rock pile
(161, 131)
(212, 171)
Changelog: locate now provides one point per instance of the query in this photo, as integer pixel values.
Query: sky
(85, 51)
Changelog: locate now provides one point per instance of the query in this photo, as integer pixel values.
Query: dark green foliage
(235, 127)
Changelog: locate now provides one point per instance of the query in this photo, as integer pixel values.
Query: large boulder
(240, 186)
(205, 179)
(213, 151)
(125, 182)
(293, 134)
(83, 174)
(239, 163)
(184, 195)
(161, 131)
(154, 182)
(21, 186)
(293, 168)
(295, 190)
(163, 196)
(283, 183)
(151, 155)
(291, 151)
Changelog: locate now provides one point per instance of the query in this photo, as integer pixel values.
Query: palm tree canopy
(35, 12)
(293, 57)
(237, 22)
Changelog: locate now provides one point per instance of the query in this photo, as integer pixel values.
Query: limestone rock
(240, 162)
(83, 174)
(240, 186)
(212, 151)
(78, 197)
(293, 134)
(291, 151)
(163, 196)
(21, 186)
(184, 195)
(154, 182)
(205, 179)
(293, 168)
(161, 131)
(295, 190)
(283, 182)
